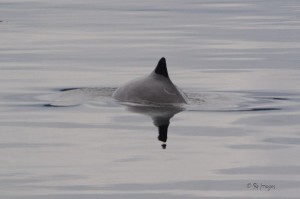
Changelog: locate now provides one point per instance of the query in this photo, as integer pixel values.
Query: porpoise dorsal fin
(161, 68)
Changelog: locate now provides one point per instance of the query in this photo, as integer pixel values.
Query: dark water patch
(238, 110)
(283, 140)
(262, 170)
(270, 120)
(68, 89)
(279, 98)
(59, 106)
(262, 109)
(268, 97)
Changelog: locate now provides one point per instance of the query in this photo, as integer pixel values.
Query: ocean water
(63, 136)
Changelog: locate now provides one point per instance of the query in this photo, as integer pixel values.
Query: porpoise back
(154, 88)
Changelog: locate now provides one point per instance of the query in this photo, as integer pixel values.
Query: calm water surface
(238, 61)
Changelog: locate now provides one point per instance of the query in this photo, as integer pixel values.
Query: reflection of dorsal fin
(163, 132)
(161, 68)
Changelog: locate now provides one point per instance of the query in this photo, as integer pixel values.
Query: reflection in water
(160, 115)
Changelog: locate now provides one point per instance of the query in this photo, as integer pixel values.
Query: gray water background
(237, 60)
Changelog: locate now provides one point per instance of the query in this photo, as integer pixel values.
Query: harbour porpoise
(155, 88)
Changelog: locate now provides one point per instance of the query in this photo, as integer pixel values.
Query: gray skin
(154, 88)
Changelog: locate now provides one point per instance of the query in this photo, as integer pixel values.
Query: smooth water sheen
(63, 136)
